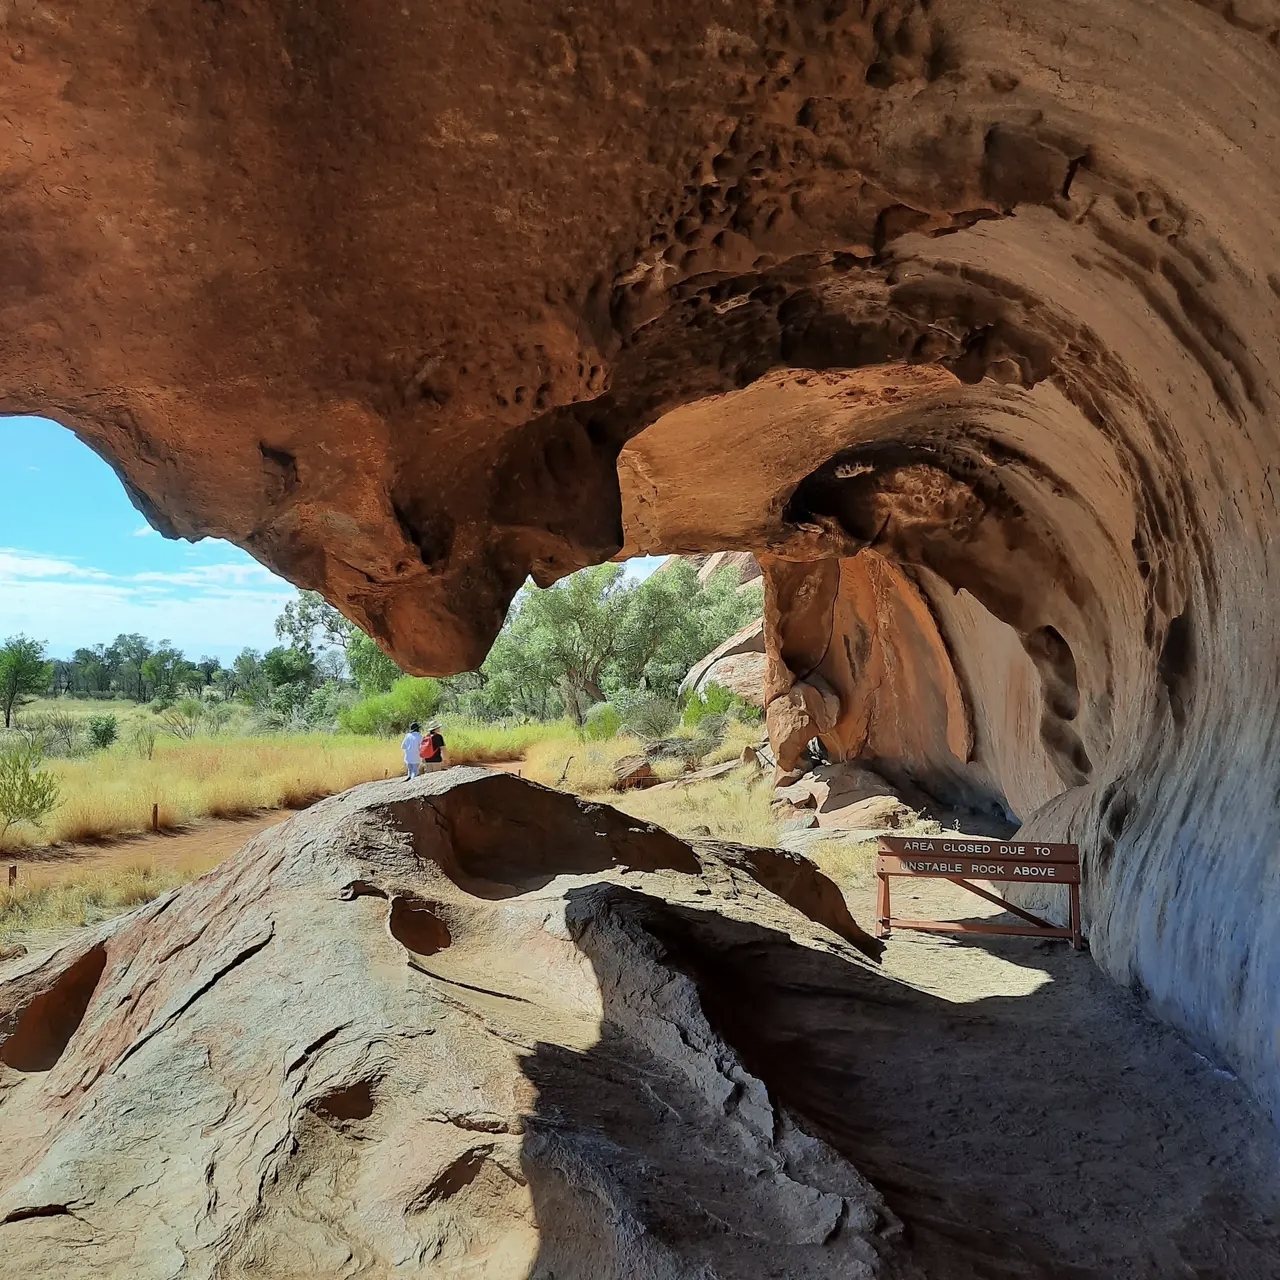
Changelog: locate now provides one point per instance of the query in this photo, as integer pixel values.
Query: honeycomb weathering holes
(417, 926)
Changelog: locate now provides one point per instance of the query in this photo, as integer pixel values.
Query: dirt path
(200, 846)
(1021, 1113)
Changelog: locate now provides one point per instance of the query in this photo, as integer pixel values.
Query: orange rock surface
(414, 301)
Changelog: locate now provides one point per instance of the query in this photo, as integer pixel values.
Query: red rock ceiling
(382, 292)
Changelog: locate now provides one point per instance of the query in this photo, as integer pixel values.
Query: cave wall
(413, 301)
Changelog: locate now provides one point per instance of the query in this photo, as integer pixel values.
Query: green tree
(310, 623)
(89, 670)
(125, 656)
(597, 634)
(371, 669)
(290, 675)
(571, 632)
(246, 680)
(166, 670)
(24, 674)
(27, 793)
(209, 669)
(687, 619)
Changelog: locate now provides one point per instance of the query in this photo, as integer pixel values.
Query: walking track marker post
(957, 858)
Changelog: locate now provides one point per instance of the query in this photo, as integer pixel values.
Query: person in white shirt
(412, 746)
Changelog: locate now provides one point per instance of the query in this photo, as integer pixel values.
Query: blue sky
(79, 564)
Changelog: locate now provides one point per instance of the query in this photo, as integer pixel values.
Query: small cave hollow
(47, 1024)
(354, 1102)
(417, 926)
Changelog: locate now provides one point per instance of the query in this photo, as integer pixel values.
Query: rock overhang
(392, 296)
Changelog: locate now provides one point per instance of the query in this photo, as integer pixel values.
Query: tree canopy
(24, 673)
(598, 634)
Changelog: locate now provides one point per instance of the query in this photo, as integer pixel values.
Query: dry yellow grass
(111, 793)
(736, 736)
(474, 743)
(734, 808)
(81, 898)
(585, 768)
(851, 864)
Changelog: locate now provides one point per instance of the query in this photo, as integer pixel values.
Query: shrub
(183, 719)
(142, 738)
(411, 698)
(27, 794)
(716, 700)
(650, 717)
(603, 721)
(325, 705)
(102, 731)
(58, 733)
(217, 716)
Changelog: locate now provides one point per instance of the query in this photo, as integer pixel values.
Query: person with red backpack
(432, 750)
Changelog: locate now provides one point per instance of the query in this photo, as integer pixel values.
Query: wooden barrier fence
(961, 859)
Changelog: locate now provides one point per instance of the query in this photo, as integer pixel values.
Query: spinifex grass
(471, 742)
(86, 897)
(850, 863)
(112, 792)
(734, 808)
(585, 768)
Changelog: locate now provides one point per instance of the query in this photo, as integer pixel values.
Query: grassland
(587, 768)
(112, 792)
(81, 898)
(733, 808)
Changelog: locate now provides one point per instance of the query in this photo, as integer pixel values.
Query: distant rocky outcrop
(739, 664)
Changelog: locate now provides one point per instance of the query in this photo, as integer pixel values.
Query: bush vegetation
(584, 672)
(27, 793)
(409, 699)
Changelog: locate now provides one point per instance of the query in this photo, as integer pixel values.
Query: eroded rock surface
(433, 1028)
(412, 301)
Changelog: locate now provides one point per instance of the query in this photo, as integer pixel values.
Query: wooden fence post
(155, 817)
(13, 876)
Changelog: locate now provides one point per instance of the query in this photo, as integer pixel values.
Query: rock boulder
(421, 1029)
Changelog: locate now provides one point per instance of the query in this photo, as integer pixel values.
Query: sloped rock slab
(424, 1029)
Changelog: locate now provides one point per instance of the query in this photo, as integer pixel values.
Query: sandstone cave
(964, 318)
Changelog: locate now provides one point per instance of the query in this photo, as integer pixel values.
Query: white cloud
(18, 566)
(146, 531)
(216, 608)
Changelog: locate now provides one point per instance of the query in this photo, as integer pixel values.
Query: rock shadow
(1060, 1135)
(497, 836)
